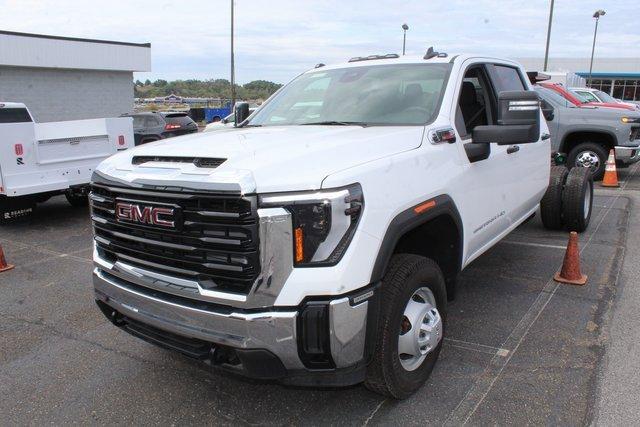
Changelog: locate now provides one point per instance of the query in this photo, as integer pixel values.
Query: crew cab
(319, 240)
(39, 160)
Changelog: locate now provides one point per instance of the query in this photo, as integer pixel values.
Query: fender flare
(563, 144)
(406, 221)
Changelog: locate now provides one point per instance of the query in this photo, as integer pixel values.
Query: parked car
(319, 242)
(152, 126)
(579, 102)
(586, 134)
(595, 95)
(225, 123)
(40, 160)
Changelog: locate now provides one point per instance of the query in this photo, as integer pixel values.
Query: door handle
(513, 149)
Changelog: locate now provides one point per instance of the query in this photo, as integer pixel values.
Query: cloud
(277, 39)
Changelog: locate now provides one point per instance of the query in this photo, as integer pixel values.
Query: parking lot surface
(520, 348)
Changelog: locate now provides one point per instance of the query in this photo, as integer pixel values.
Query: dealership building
(64, 78)
(619, 77)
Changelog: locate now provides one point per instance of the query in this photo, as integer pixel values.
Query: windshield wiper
(335, 123)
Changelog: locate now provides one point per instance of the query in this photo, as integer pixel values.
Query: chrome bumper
(627, 155)
(270, 330)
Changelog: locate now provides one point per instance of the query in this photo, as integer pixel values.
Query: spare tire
(577, 199)
(551, 203)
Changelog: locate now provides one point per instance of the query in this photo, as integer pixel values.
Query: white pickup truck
(39, 160)
(318, 241)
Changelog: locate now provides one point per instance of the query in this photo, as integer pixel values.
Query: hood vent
(201, 162)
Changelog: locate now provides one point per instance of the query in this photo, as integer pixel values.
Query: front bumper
(275, 343)
(627, 155)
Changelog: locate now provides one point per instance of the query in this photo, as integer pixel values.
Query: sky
(278, 39)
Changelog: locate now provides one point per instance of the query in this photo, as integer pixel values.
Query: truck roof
(4, 104)
(384, 59)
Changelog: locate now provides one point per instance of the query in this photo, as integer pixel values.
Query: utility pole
(598, 13)
(233, 70)
(546, 51)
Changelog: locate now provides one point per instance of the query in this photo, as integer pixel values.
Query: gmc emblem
(147, 215)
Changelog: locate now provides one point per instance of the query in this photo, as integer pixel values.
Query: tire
(577, 200)
(407, 276)
(579, 155)
(77, 200)
(551, 203)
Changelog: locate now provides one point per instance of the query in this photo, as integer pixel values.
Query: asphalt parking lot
(521, 349)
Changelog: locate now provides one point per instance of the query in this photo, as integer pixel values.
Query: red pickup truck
(577, 102)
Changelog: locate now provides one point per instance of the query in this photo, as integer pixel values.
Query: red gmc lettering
(144, 215)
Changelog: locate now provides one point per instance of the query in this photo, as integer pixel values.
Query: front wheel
(591, 156)
(410, 328)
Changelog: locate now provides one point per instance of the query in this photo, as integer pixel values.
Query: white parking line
(481, 348)
(537, 245)
(483, 385)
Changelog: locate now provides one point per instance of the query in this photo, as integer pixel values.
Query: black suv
(152, 126)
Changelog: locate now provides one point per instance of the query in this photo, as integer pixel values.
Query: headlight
(323, 222)
(630, 120)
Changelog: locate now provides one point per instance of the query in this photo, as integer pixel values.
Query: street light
(405, 27)
(546, 51)
(597, 14)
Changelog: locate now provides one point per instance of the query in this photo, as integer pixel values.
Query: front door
(484, 186)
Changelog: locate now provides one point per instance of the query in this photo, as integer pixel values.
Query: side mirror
(547, 110)
(241, 112)
(518, 120)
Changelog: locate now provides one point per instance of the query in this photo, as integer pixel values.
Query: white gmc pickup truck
(39, 160)
(319, 241)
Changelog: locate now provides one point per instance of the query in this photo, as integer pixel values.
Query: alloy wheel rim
(588, 159)
(420, 329)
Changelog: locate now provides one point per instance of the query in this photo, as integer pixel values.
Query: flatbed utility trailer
(40, 160)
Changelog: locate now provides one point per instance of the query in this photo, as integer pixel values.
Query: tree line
(214, 88)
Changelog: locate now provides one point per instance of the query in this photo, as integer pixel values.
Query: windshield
(551, 96)
(605, 97)
(399, 94)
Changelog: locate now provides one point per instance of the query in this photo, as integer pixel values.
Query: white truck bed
(44, 157)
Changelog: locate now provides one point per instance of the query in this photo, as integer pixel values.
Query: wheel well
(437, 239)
(575, 138)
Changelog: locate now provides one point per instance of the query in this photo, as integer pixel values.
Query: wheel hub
(588, 159)
(420, 329)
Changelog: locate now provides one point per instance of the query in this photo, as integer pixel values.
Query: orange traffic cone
(610, 173)
(3, 262)
(570, 272)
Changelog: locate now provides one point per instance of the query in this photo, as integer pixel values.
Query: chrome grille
(215, 244)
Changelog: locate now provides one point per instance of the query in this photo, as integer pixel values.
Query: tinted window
(180, 119)
(138, 122)
(14, 115)
(508, 78)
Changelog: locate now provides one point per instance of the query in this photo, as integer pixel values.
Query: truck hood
(265, 159)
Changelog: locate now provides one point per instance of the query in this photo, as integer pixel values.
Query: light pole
(598, 13)
(233, 71)
(405, 27)
(546, 51)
